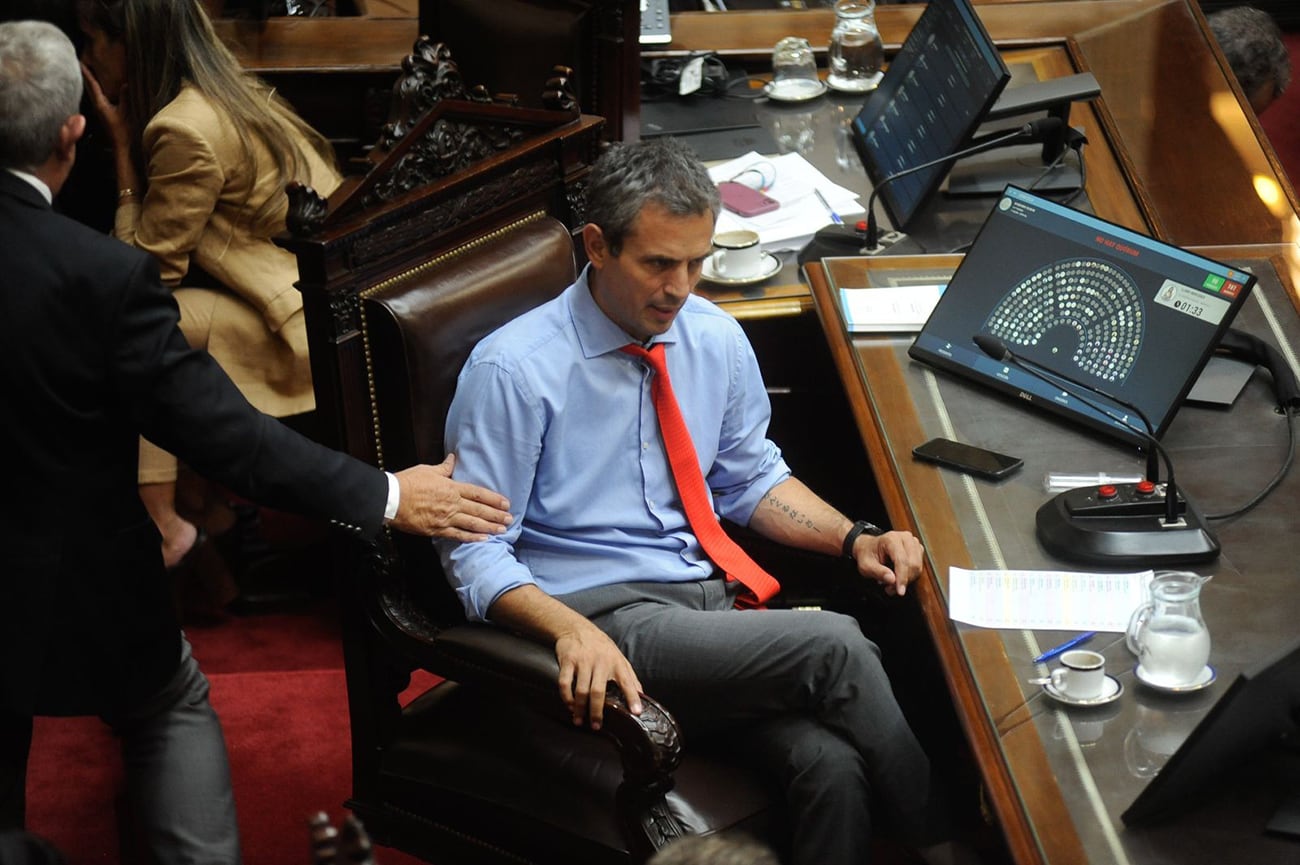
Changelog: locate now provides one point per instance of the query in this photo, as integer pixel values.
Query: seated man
(634, 582)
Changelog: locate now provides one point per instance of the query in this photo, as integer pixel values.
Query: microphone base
(1126, 531)
(883, 242)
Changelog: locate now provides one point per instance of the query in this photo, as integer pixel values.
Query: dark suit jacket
(90, 359)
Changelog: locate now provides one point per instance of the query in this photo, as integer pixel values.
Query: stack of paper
(893, 309)
(1055, 600)
(794, 183)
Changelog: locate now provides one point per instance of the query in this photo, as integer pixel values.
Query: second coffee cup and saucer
(738, 259)
(1111, 689)
(1081, 681)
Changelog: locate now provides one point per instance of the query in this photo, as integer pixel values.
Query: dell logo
(1025, 396)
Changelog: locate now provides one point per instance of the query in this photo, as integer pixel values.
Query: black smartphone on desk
(980, 462)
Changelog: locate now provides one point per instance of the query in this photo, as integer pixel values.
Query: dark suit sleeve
(184, 402)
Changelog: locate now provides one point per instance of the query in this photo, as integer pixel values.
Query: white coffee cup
(737, 254)
(1081, 676)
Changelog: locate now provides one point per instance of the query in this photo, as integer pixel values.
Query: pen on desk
(835, 217)
(1064, 647)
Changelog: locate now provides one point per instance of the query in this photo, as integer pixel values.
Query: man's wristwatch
(861, 527)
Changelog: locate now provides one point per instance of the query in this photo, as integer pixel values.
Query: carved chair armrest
(521, 669)
(514, 668)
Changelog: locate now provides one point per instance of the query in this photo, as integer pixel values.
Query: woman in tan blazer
(202, 189)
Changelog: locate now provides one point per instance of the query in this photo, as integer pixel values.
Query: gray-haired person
(92, 359)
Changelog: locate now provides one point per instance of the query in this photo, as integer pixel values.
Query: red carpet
(278, 685)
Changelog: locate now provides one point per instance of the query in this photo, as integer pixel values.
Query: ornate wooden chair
(462, 223)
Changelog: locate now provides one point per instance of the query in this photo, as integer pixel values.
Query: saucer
(863, 88)
(795, 89)
(767, 269)
(1110, 691)
(1204, 680)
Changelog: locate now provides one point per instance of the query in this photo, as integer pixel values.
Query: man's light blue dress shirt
(549, 412)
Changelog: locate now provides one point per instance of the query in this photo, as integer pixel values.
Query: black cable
(1083, 179)
(661, 77)
(1277, 478)
(1056, 163)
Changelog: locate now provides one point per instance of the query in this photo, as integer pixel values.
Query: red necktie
(722, 550)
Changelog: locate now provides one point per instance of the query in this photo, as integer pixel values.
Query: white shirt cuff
(394, 498)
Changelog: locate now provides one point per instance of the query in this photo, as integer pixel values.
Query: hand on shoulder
(432, 504)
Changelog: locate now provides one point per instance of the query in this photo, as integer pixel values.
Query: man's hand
(589, 661)
(893, 559)
(431, 503)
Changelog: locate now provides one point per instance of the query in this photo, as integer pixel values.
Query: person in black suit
(91, 359)
(89, 195)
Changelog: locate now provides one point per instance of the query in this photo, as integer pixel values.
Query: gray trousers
(176, 768)
(800, 691)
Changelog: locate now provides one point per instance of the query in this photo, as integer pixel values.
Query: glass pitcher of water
(1168, 634)
(856, 51)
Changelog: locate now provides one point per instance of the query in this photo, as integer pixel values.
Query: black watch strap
(861, 527)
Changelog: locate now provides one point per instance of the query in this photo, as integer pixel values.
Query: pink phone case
(739, 198)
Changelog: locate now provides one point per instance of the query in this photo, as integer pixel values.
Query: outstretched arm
(794, 515)
(588, 658)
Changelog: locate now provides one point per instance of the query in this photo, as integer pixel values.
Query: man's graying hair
(627, 177)
(40, 88)
(1252, 43)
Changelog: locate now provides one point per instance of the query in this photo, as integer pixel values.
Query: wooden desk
(1172, 153)
(1169, 113)
(1058, 779)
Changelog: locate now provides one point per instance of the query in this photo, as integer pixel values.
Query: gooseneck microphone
(1034, 130)
(1120, 523)
(999, 351)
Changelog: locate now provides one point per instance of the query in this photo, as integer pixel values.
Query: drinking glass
(794, 71)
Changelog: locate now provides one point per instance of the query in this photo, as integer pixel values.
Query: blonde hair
(170, 43)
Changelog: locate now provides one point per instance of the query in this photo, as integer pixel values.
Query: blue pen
(835, 217)
(1064, 647)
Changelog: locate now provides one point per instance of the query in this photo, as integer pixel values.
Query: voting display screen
(931, 99)
(1129, 315)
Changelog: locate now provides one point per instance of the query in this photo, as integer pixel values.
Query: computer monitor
(1259, 707)
(1093, 301)
(932, 97)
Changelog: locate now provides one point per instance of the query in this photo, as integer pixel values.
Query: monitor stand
(988, 173)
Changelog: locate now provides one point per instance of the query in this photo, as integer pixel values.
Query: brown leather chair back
(420, 326)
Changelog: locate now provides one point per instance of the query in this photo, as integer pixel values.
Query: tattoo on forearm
(797, 516)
